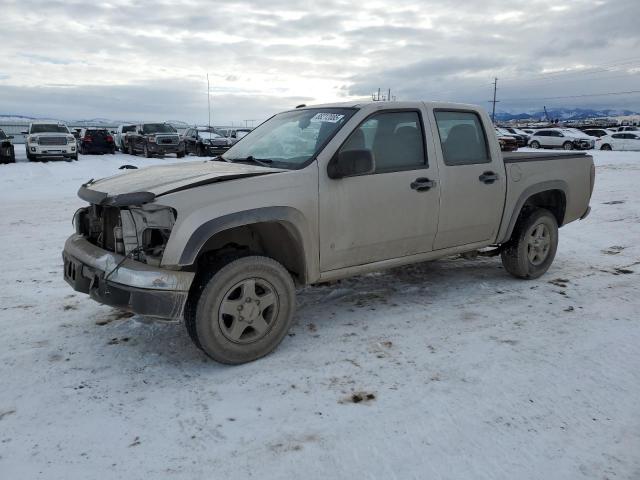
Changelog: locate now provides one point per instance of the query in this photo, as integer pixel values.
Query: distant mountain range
(93, 122)
(564, 114)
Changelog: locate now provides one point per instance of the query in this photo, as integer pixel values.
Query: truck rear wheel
(533, 245)
(241, 310)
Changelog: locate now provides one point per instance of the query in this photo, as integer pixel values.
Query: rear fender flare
(507, 230)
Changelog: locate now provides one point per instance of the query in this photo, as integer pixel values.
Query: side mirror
(350, 163)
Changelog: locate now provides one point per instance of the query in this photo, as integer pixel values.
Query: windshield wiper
(264, 162)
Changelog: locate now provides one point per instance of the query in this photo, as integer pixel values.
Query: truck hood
(143, 185)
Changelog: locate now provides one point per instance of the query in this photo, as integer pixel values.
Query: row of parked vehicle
(619, 138)
(152, 139)
(48, 140)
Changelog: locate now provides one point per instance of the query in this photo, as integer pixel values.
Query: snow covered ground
(475, 375)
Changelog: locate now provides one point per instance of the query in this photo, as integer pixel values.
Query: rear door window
(462, 137)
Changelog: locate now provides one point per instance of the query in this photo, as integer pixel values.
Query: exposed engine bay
(140, 233)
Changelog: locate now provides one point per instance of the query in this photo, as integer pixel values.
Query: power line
(630, 92)
(593, 69)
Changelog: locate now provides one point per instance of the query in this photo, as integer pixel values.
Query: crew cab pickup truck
(155, 139)
(312, 195)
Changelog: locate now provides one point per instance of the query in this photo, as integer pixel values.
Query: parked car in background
(205, 141)
(46, 140)
(597, 132)
(629, 128)
(521, 140)
(96, 141)
(621, 141)
(517, 131)
(155, 139)
(7, 150)
(507, 142)
(121, 136)
(235, 134)
(566, 139)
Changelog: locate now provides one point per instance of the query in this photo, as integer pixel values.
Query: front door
(390, 213)
(472, 180)
(633, 141)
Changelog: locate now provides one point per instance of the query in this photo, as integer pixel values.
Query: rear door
(472, 180)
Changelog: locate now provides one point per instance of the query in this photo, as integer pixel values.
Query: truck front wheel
(533, 245)
(242, 309)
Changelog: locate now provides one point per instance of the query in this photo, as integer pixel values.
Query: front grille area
(52, 141)
(167, 140)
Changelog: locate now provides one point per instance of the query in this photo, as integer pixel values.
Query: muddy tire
(131, 149)
(146, 152)
(606, 146)
(533, 245)
(535, 144)
(242, 309)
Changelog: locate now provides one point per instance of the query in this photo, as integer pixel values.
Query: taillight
(109, 138)
(88, 139)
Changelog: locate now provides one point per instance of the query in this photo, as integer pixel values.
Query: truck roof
(391, 105)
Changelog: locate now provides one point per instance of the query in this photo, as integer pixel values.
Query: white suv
(47, 140)
(567, 139)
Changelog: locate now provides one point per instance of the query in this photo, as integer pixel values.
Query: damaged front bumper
(121, 282)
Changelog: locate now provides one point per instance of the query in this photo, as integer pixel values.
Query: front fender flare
(291, 218)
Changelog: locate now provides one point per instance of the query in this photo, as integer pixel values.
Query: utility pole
(209, 100)
(494, 101)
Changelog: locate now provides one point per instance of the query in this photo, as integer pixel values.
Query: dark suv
(7, 152)
(96, 140)
(205, 141)
(155, 139)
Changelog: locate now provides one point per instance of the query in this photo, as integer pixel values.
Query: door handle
(422, 184)
(488, 177)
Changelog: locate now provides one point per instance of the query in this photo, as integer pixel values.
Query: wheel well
(553, 200)
(276, 239)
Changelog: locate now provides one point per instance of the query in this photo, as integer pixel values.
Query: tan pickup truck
(316, 194)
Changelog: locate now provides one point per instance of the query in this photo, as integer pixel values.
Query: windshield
(157, 128)
(291, 138)
(96, 133)
(49, 128)
(212, 130)
(129, 128)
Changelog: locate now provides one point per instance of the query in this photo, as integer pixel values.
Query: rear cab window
(462, 137)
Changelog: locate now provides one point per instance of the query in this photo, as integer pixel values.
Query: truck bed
(516, 157)
(529, 173)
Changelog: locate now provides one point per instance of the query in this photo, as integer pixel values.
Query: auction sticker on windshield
(327, 117)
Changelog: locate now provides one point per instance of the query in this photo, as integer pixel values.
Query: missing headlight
(154, 241)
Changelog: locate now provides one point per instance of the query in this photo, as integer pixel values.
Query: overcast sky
(148, 59)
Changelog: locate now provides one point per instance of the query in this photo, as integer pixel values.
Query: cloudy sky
(148, 59)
